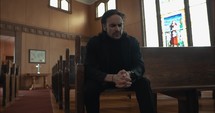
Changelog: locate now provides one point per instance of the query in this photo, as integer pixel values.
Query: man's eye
(113, 26)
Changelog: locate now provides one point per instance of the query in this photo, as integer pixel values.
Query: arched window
(111, 4)
(103, 6)
(176, 23)
(100, 9)
(60, 4)
(64, 5)
(54, 3)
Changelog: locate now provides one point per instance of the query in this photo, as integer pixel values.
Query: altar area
(35, 78)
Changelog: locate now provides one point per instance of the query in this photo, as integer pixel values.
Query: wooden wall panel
(131, 8)
(13, 11)
(95, 24)
(38, 13)
(133, 17)
(59, 21)
(79, 19)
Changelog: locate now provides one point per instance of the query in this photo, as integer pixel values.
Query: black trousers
(141, 87)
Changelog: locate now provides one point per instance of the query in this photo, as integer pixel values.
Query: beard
(116, 35)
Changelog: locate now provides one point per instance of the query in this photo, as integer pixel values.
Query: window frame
(59, 6)
(105, 6)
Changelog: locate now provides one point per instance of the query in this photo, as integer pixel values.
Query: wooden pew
(181, 73)
(5, 73)
(54, 71)
(13, 82)
(17, 79)
(177, 72)
(68, 79)
(63, 78)
(57, 82)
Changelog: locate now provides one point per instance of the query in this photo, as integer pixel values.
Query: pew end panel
(79, 93)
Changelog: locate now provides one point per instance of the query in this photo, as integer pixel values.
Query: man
(113, 60)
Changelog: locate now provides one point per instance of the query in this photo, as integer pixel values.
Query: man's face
(114, 26)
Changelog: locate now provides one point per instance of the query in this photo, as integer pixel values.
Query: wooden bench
(178, 72)
(57, 82)
(181, 73)
(63, 78)
(10, 82)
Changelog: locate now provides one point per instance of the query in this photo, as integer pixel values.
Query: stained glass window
(169, 17)
(173, 23)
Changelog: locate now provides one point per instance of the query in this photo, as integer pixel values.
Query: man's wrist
(109, 78)
(132, 75)
(113, 78)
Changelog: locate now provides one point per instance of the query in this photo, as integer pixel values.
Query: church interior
(39, 38)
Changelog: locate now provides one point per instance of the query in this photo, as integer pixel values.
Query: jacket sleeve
(92, 70)
(137, 67)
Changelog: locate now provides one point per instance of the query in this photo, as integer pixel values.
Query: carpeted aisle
(35, 101)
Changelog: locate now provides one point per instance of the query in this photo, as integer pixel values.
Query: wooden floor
(119, 103)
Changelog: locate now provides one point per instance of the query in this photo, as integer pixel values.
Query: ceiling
(88, 2)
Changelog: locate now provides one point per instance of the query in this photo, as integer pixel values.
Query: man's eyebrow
(116, 24)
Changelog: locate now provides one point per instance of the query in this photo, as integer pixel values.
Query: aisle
(35, 101)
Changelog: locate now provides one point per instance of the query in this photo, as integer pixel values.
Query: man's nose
(117, 28)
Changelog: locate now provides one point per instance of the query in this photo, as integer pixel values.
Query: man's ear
(104, 27)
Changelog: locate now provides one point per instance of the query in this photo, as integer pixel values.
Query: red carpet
(35, 101)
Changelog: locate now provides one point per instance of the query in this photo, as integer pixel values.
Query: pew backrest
(175, 68)
(187, 67)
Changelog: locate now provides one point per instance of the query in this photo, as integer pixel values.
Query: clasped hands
(122, 79)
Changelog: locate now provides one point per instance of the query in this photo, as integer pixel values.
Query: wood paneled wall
(38, 14)
(81, 21)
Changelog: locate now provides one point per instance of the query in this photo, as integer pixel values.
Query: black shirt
(105, 55)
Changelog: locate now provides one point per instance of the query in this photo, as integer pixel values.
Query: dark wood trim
(143, 26)
(188, 23)
(211, 20)
(159, 24)
(8, 26)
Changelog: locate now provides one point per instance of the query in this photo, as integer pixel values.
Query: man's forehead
(115, 18)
